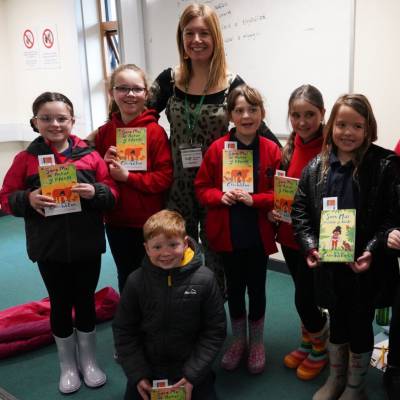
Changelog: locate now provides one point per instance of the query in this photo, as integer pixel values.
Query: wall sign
(41, 54)
(29, 39)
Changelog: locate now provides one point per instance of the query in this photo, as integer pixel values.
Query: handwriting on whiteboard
(235, 26)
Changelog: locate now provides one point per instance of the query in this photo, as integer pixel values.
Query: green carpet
(34, 375)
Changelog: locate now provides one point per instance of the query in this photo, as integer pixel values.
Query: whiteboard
(274, 45)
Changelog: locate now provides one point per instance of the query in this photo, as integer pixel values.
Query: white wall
(377, 63)
(131, 32)
(90, 38)
(20, 85)
(61, 76)
(5, 67)
(7, 150)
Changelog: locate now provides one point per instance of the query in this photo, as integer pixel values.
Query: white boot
(356, 377)
(69, 375)
(338, 362)
(93, 376)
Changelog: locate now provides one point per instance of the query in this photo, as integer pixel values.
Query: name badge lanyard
(191, 119)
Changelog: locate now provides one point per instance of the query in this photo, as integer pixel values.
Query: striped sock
(315, 361)
(296, 357)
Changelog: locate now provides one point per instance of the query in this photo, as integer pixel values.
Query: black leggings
(127, 248)
(246, 269)
(350, 322)
(304, 298)
(71, 285)
(394, 334)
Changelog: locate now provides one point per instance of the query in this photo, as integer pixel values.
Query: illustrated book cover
(56, 181)
(337, 235)
(132, 148)
(237, 170)
(160, 391)
(284, 190)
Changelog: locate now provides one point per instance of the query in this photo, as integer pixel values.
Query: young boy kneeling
(170, 323)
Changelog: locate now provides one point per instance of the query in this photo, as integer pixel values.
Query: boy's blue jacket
(175, 331)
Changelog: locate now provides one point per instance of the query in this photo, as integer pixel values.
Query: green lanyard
(191, 119)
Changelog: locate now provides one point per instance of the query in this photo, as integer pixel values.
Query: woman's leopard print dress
(212, 123)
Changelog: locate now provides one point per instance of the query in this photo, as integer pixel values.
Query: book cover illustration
(237, 170)
(56, 181)
(161, 391)
(284, 190)
(132, 148)
(337, 235)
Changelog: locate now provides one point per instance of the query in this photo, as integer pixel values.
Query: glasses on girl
(48, 119)
(126, 90)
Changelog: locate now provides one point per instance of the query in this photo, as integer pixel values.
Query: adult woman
(194, 97)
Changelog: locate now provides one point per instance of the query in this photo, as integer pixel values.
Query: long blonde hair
(218, 65)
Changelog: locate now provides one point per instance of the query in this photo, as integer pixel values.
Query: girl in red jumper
(141, 192)
(306, 114)
(236, 225)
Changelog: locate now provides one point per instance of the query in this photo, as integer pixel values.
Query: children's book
(237, 170)
(284, 190)
(56, 181)
(132, 148)
(337, 235)
(161, 391)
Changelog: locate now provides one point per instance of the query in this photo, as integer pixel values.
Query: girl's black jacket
(66, 237)
(170, 323)
(376, 179)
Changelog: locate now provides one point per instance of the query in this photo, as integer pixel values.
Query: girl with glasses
(142, 192)
(67, 247)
